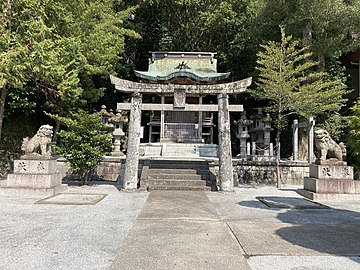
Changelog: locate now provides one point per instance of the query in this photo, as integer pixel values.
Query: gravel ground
(50, 236)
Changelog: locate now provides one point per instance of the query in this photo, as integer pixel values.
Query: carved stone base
(327, 196)
(339, 186)
(331, 171)
(32, 174)
(117, 154)
(330, 178)
(332, 161)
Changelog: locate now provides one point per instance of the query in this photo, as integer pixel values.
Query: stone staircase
(176, 175)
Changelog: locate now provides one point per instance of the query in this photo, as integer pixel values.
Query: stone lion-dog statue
(40, 143)
(327, 147)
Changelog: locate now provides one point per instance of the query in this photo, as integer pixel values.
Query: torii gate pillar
(225, 161)
(132, 154)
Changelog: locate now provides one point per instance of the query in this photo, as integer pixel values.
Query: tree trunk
(321, 62)
(307, 35)
(2, 106)
(56, 131)
(277, 159)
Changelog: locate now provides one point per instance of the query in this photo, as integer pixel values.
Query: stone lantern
(243, 134)
(118, 121)
(105, 115)
(267, 130)
(260, 132)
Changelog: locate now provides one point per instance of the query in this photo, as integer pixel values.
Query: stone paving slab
(73, 199)
(179, 230)
(178, 245)
(304, 263)
(290, 202)
(270, 238)
(175, 204)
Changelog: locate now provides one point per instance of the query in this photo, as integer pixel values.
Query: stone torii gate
(180, 91)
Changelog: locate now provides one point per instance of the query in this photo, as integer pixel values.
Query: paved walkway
(178, 230)
(306, 239)
(186, 230)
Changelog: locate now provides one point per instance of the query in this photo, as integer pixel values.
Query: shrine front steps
(176, 175)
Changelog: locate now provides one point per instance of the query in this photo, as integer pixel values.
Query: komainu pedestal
(330, 176)
(37, 175)
(329, 179)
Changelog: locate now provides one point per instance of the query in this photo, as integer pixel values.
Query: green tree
(289, 81)
(325, 26)
(212, 25)
(12, 69)
(84, 142)
(354, 127)
(61, 48)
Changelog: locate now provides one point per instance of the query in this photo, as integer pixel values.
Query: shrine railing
(185, 130)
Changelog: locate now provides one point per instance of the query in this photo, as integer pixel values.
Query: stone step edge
(179, 176)
(207, 188)
(178, 180)
(188, 170)
(185, 167)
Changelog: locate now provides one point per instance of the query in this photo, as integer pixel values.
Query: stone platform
(38, 176)
(178, 150)
(328, 180)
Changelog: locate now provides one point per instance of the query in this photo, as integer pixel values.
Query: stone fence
(111, 168)
(245, 172)
(261, 172)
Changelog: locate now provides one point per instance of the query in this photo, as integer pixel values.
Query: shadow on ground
(253, 204)
(330, 231)
(79, 182)
(326, 231)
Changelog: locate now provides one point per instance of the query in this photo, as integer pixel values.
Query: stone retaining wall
(111, 168)
(255, 172)
(245, 172)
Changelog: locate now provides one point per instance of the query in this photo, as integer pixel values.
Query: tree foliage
(325, 26)
(84, 142)
(65, 49)
(289, 80)
(354, 126)
(223, 27)
(60, 47)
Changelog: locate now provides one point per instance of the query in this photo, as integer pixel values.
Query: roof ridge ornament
(182, 65)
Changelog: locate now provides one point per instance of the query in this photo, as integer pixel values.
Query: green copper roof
(182, 68)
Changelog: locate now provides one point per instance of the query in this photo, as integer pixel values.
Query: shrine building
(183, 118)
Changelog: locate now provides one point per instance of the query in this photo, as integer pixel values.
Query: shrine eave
(223, 88)
(184, 73)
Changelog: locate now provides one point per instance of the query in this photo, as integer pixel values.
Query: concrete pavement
(303, 239)
(178, 230)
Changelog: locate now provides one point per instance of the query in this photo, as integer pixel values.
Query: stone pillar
(200, 121)
(248, 151)
(311, 125)
(132, 154)
(295, 140)
(225, 161)
(253, 149)
(162, 120)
